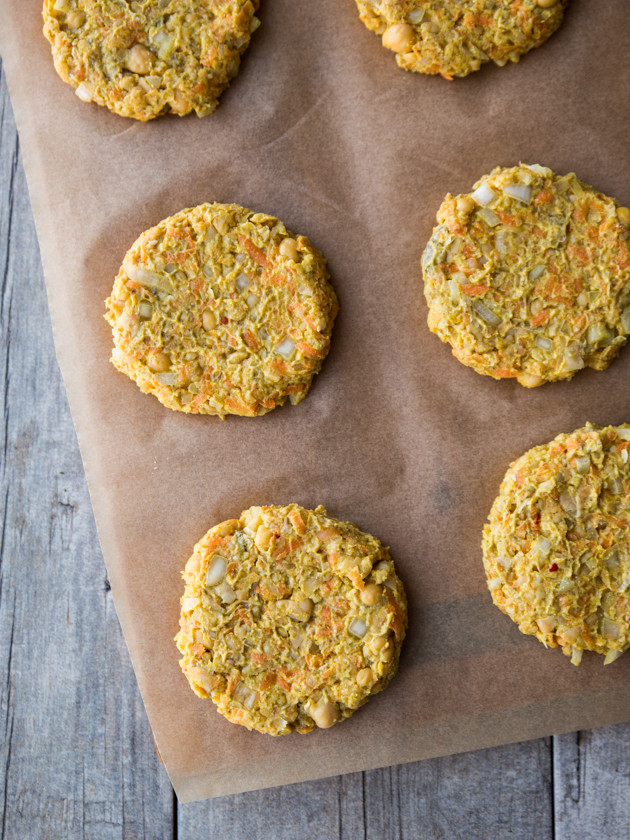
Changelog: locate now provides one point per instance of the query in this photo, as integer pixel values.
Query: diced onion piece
(576, 656)
(573, 360)
(611, 656)
(168, 378)
(145, 310)
(286, 348)
(225, 593)
(610, 629)
(571, 634)
(611, 560)
(489, 217)
(84, 92)
(164, 42)
(543, 343)
(501, 239)
(494, 583)
(625, 319)
(567, 502)
(616, 486)
(189, 604)
(583, 464)
(546, 625)
(149, 279)
(598, 334)
(542, 546)
(217, 570)
(415, 16)
(483, 195)
(244, 695)
(358, 627)
(538, 169)
(519, 191)
(487, 314)
(252, 300)
(623, 432)
(536, 272)
(243, 282)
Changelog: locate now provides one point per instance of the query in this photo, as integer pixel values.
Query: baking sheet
(323, 130)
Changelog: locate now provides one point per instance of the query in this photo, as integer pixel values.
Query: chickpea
(371, 594)
(465, 204)
(288, 248)
(364, 677)
(530, 380)
(263, 537)
(139, 60)
(209, 320)
(399, 37)
(75, 19)
(159, 362)
(623, 214)
(546, 4)
(387, 653)
(325, 714)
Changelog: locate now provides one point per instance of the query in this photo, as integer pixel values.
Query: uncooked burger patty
(528, 275)
(290, 619)
(148, 57)
(219, 310)
(556, 549)
(456, 38)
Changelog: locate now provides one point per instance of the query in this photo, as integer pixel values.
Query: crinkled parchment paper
(323, 130)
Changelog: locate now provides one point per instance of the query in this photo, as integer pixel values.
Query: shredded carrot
(471, 289)
(254, 252)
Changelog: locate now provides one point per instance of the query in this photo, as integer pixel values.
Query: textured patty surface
(528, 276)
(218, 310)
(142, 58)
(556, 549)
(290, 619)
(455, 39)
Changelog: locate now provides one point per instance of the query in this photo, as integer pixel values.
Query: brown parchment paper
(323, 130)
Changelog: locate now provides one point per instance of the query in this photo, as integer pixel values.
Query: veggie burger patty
(528, 276)
(218, 310)
(455, 39)
(290, 619)
(556, 548)
(148, 57)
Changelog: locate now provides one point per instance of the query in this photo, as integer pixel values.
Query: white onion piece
(573, 361)
(536, 272)
(542, 547)
(286, 348)
(543, 343)
(622, 432)
(167, 378)
(358, 627)
(483, 195)
(244, 695)
(519, 191)
(610, 629)
(489, 217)
(84, 92)
(487, 314)
(625, 319)
(416, 16)
(576, 656)
(189, 604)
(243, 282)
(494, 583)
(225, 593)
(538, 169)
(571, 634)
(611, 656)
(546, 625)
(216, 570)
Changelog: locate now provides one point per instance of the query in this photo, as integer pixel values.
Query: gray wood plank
(77, 757)
(496, 794)
(592, 784)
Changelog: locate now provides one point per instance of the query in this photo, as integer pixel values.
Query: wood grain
(77, 758)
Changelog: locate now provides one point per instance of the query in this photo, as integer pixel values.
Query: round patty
(528, 276)
(141, 59)
(290, 619)
(218, 310)
(455, 39)
(556, 548)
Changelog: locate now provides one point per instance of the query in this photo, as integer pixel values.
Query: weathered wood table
(78, 759)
